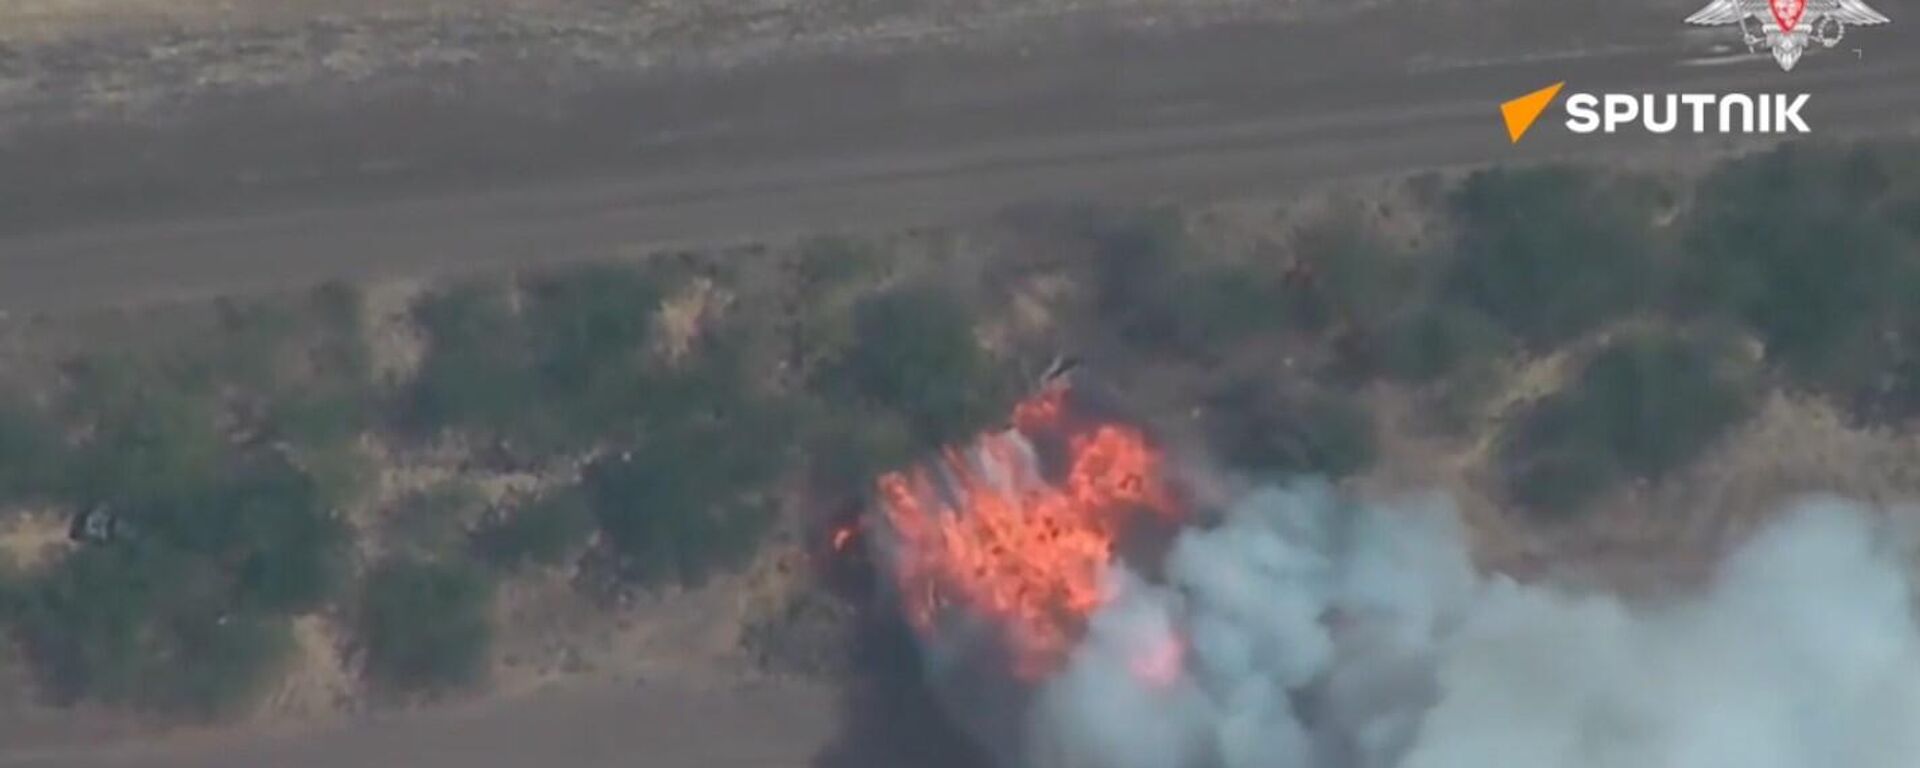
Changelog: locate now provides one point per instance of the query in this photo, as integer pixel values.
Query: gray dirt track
(944, 139)
(936, 139)
(608, 725)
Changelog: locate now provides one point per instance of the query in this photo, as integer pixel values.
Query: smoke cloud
(1308, 631)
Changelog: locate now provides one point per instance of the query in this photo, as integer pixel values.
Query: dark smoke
(891, 714)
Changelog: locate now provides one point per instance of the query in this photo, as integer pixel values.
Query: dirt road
(935, 139)
(602, 726)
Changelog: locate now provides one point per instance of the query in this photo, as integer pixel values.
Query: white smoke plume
(1317, 633)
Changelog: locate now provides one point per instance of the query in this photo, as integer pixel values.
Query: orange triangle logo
(1520, 113)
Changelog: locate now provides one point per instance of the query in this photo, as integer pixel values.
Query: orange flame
(1003, 544)
(1040, 412)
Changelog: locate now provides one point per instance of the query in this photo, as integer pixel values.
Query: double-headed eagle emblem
(1787, 27)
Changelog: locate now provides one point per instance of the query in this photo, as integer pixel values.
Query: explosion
(984, 532)
(1297, 626)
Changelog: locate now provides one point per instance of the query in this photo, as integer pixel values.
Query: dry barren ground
(162, 107)
(607, 724)
(115, 56)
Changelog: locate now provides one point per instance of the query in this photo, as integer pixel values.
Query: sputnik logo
(1788, 26)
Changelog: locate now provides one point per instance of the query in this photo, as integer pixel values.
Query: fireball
(983, 532)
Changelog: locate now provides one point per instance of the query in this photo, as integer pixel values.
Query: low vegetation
(1271, 433)
(542, 534)
(476, 374)
(1430, 342)
(1811, 246)
(426, 625)
(200, 536)
(1347, 279)
(686, 501)
(1162, 294)
(30, 450)
(914, 353)
(221, 483)
(1642, 407)
(1550, 253)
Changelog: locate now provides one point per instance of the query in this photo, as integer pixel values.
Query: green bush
(1560, 479)
(851, 448)
(426, 626)
(1138, 255)
(823, 263)
(289, 550)
(1357, 280)
(1137, 251)
(1433, 341)
(1549, 253)
(685, 503)
(246, 349)
(258, 354)
(588, 322)
(1664, 401)
(589, 329)
(161, 444)
(339, 311)
(1901, 388)
(1321, 433)
(32, 451)
(142, 625)
(341, 473)
(213, 544)
(1796, 243)
(263, 521)
(915, 353)
(577, 343)
(86, 623)
(432, 523)
(1902, 205)
(685, 495)
(1158, 293)
(1459, 403)
(476, 373)
(220, 665)
(298, 373)
(183, 608)
(1644, 406)
(544, 533)
(1336, 435)
(318, 420)
(1204, 311)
